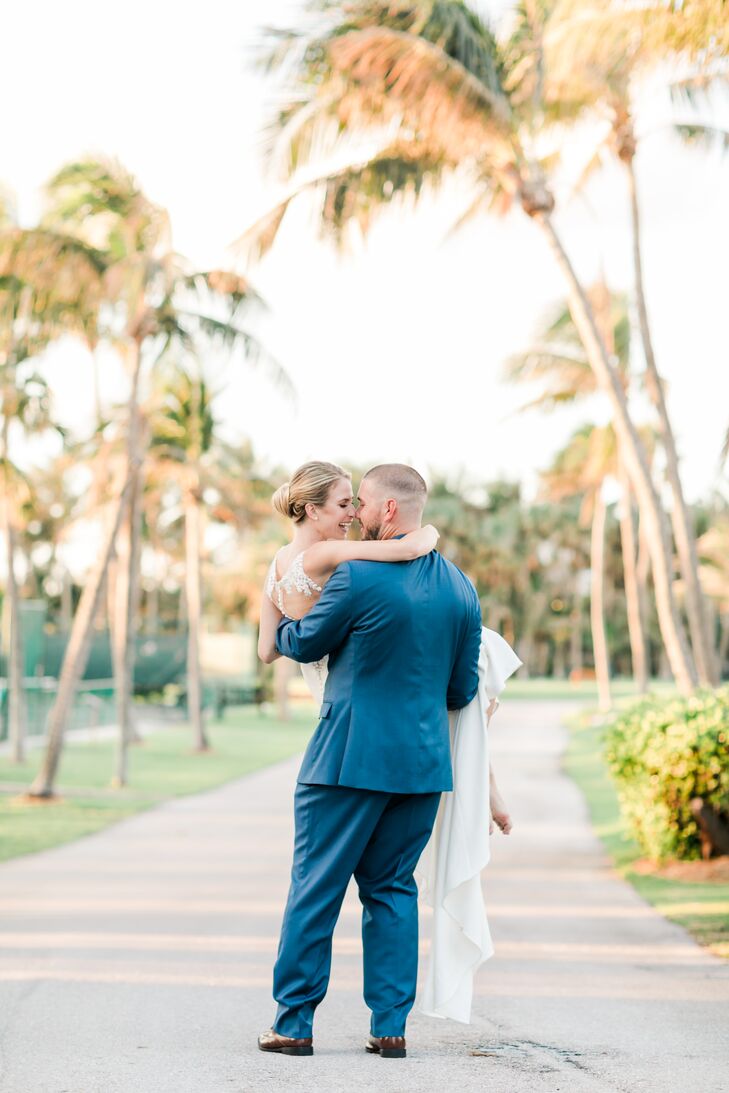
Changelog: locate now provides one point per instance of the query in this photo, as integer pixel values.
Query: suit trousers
(377, 838)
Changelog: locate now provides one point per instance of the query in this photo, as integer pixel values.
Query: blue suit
(403, 641)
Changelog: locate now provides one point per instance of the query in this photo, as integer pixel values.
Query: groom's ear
(390, 509)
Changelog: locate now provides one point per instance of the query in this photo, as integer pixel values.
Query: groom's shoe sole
(387, 1047)
(282, 1045)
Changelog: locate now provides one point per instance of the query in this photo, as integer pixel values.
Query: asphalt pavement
(138, 960)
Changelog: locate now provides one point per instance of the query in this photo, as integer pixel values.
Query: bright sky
(396, 349)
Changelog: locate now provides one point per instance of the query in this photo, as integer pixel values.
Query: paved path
(138, 960)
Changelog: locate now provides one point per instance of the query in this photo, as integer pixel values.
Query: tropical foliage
(670, 759)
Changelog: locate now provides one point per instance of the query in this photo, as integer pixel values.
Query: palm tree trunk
(152, 612)
(576, 638)
(636, 621)
(193, 547)
(16, 703)
(97, 386)
(701, 639)
(559, 662)
(597, 602)
(723, 644)
(66, 601)
(77, 650)
(636, 461)
(526, 655)
(126, 578)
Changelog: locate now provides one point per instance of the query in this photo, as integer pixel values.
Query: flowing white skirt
(449, 870)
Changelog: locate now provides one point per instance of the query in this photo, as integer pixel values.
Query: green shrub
(662, 753)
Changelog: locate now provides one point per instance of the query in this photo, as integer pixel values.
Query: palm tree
(187, 457)
(161, 302)
(430, 86)
(47, 520)
(49, 285)
(558, 363)
(714, 553)
(183, 433)
(595, 56)
(581, 467)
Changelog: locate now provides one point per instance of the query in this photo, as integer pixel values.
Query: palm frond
(98, 200)
(358, 194)
(355, 193)
(230, 337)
(564, 374)
(233, 290)
(257, 240)
(706, 136)
(434, 91)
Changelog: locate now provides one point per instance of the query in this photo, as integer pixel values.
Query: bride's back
(289, 587)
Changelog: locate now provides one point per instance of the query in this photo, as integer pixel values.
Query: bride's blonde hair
(309, 485)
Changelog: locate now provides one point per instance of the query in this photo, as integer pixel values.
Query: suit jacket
(403, 640)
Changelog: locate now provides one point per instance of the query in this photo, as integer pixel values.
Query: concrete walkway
(139, 959)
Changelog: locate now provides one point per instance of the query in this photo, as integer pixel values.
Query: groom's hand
(325, 627)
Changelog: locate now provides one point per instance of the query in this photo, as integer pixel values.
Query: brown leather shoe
(387, 1047)
(284, 1045)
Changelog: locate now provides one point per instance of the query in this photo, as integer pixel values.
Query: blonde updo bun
(309, 485)
(280, 500)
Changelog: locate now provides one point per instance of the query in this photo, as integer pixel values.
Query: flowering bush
(663, 753)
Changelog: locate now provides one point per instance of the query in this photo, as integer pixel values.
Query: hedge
(662, 753)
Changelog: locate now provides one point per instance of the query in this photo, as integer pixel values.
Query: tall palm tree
(49, 285)
(210, 481)
(160, 301)
(714, 553)
(183, 434)
(47, 521)
(558, 363)
(595, 54)
(430, 86)
(581, 467)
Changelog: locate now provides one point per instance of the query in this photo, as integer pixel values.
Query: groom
(403, 642)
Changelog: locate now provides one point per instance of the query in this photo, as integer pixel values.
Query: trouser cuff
(388, 1023)
(297, 1023)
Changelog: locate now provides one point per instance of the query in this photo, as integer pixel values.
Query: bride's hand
(423, 540)
(433, 535)
(499, 814)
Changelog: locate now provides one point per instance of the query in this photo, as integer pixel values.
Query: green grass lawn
(584, 692)
(702, 907)
(163, 766)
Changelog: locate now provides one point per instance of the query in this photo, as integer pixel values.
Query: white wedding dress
(449, 870)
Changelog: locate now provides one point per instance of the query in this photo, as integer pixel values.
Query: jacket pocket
(325, 710)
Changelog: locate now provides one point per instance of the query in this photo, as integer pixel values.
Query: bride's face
(334, 519)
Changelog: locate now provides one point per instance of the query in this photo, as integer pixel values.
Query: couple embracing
(389, 636)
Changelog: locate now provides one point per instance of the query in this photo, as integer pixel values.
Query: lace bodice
(294, 580)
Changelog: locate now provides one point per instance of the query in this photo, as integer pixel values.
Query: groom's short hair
(401, 482)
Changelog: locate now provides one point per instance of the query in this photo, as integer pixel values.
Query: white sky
(396, 350)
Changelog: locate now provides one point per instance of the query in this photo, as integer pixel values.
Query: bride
(319, 501)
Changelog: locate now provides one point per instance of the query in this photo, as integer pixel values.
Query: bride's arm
(270, 618)
(323, 558)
